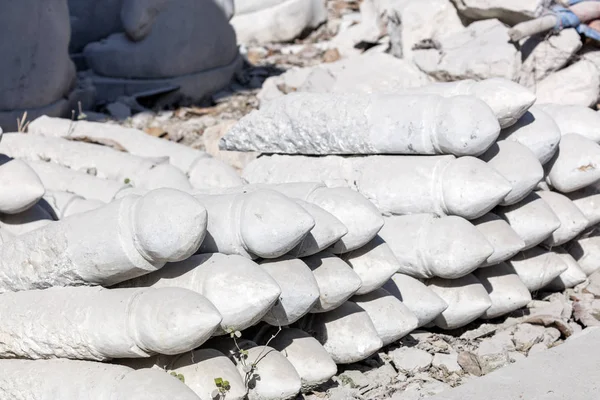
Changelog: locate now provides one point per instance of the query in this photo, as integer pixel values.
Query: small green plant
(127, 181)
(222, 389)
(178, 376)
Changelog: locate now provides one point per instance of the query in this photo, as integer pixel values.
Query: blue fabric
(588, 32)
(573, 2)
(565, 18)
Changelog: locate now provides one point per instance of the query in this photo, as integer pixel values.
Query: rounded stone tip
(327, 230)
(456, 248)
(362, 219)
(272, 224)
(465, 126)
(164, 176)
(152, 384)
(506, 98)
(20, 185)
(173, 320)
(471, 188)
(169, 225)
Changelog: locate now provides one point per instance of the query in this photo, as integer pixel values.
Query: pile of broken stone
(128, 258)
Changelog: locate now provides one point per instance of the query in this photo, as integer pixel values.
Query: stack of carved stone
(486, 198)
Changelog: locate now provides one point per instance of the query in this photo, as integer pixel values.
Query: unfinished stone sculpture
(518, 165)
(374, 263)
(101, 161)
(140, 58)
(588, 202)
(337, 282)
(574, 119)
(71, 380)
(420, 300)
(64, 204)
(120, 241)
(202, 170)
(199, 368)
(532, 219)
(327, 231)
(538, 131)
(466, 297)
(29, 85)
(572, 220)
(328, 123)
(586, 251)
(299, 290)
(370, 72)
(504, 287)
(572, 277)
(133, 322)
(479, 52)
(310, 360)
(537, 267)
(508, 100)
(501, 236)
(55, 177)
(241, 290)
(359, 215)
(391, 318)
(466, 186)
(20, 187)
(426, 246)
(347, 333)
(35, 217)
(255, 224)
(276, 20)
(573, 167)
(90, 23)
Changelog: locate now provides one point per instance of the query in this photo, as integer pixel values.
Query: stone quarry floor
(426, 362)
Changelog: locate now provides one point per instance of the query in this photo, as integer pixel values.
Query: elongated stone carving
(337, 282)
(258, 224)
(466, 297)
(508, 100)
(588, 202)
(33, 218)
(120, 241)
(359, 215)
(241, 290)
(71, 380)
(574, 166)
(506, 290)
(518, 165)
(307, 356)
(201, 168)
(93, 323)
(391, 318)
(574, 119)
(420, 300)
(572, 220)
(502, 237)
(537, 267)
(327, 231)
(347, 333)
(532, 219)
(20, 187)
(299, 290)
(375, 263)
(199, 367)
(328, 123)
(442, 185)
(58, 178)
(586, 251)
(101, 161)
(573, 276)
(426, 246)
(64, 204)
(538, 131)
